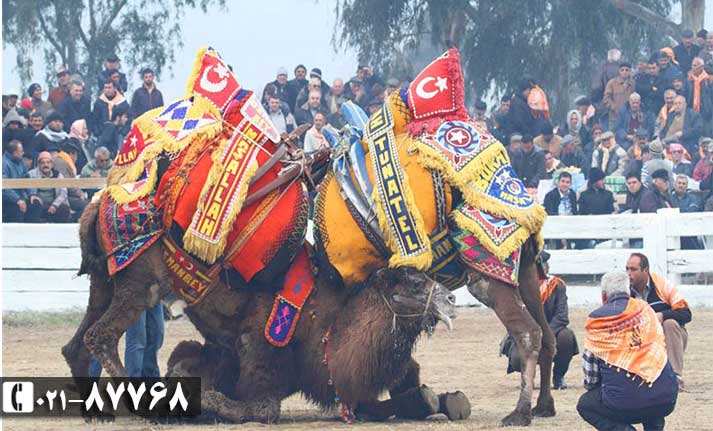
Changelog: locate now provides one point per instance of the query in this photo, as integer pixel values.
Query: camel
(346, 347)
(232, 321)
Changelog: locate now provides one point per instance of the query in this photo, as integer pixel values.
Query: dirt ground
(465, 359)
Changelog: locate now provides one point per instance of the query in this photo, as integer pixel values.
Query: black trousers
(566, 349)
(592, 409)
(11, 212)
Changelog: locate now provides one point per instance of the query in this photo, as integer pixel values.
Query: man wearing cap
(672, 310)
(13, 127)
(548, 141)
(55, 207)
(294, 86)
(683, 123)
(356, 92)
(58, 93)
(109, 100)
(520, 116)
(35, 102)
(617, 92)
(571, 156)
(112, 136)
(667, 70)
(65, 162)
(686, 50)
(553, 294)
(146, 97)
(111, 65)
(608, 156)
(704, 166)
(656, 162)
(515, 144)
(651, 87)
(529, 163)
(596, 199)
(392, 84)
(627, 373)
(75, 107)
(656, 197)
(15, 202)
(631, 118)
(700, 92)
(52, 135)
(280, 84)
(9, 102)
(681, 165)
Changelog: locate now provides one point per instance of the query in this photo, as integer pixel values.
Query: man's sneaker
(559, 383)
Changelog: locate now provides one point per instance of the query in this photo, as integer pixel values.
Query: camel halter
(395, 314)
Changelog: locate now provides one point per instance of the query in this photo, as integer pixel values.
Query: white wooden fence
(39, 261)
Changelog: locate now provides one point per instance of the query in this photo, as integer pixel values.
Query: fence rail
(49, 183)
(40, 260)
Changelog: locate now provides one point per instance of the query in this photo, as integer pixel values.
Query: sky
(255, 38)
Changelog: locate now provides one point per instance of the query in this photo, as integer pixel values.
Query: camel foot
(517, 419)
(416, 403)
(438, 417)
(544, 409)
(454, 405)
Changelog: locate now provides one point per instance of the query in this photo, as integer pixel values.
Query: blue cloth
(12, 168)
(143, 340)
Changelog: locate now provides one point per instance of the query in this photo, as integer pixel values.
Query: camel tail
(89, 241)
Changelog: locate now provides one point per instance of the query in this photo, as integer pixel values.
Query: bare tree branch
(647, 15)
(92, 20)
(80, 30)
(50, 37)
(112, 16)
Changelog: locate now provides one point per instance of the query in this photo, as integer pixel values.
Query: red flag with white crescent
(215, 81)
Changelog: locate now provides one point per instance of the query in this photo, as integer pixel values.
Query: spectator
(55, 207)
(53, 133)
(609, 71)
(706, 53)
(656, 162)
(651, 86)
(635, 190)
(596, 199)
(704, 166)
(112, 66)
(529, 163)
(626, 382)
(701, 38)
(682, 198)
(315, 84)
(305, 114)
(480, 110)
(500, 120)
(144, 338)
(61, 91)
(551, 165)
(679, 86)
(656, 197)
(671, 308)
(617, 92)
(336, 97)
(65, 163)
(520, 117)
(609, 157)
(281, 118)
(548, 141)
(76, 106)
(576, 128)
(271, 91)
(146, 97)
(99, 167)
(587, 111)
(13, 127)
(15, 202)
(392, 84)
(553, 295)
(571, 156)
(372, 106)
(280, 84)
(700, 90)
(685, 124)
(109, 100)
(635, 152)
(314, 138)
(79, 132)
(515, 144)
(667, 70)
(662, 119)
(562, 200)
(356, 92)
(296, 85)
(112, 136)
(686, 50)
(632, 117)
(35, 102)
(10, 103)
(681, 166)
(35, 124)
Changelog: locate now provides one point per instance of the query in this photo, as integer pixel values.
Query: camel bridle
(423, 314)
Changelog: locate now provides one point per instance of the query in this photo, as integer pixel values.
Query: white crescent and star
(457, 136)
(211, 86)
(440, 85)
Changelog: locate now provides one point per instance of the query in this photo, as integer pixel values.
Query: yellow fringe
(531, 219)
(199, 100)
(504, 250)
(122, 196)
(207, 251)
(400, 113)
(197, 63)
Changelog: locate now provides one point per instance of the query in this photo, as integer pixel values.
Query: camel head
(411, 294)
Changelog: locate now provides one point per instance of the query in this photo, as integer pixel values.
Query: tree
(80, 34)
(559, 43)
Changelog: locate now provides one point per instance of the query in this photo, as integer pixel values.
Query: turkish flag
(437, 93)
(134, 144)
(215, 81)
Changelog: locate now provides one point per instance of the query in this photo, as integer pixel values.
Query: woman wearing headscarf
(79, 134)
(575, 127)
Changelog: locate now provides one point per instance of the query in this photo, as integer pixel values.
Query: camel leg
(530, 292)
(75, 352)
(137, 287)
(508, 306)
(265, 410)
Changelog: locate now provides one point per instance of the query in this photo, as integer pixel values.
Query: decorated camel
(417, 185)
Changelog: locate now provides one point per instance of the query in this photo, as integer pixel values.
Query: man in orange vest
(671, 309)
(553, 293)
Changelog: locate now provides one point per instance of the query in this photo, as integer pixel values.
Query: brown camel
(114, 304)
(350, 346)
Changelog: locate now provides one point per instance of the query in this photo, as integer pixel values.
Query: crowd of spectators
(634, 122)
(70, 134)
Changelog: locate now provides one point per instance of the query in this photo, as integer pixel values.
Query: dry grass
(465, 359)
